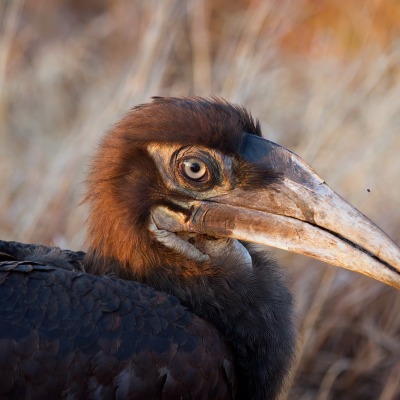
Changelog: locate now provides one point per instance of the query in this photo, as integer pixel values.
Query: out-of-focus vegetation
(323, 76)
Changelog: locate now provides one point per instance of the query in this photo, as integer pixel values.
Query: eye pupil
(195, 167)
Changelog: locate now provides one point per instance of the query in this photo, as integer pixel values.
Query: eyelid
(210, 179)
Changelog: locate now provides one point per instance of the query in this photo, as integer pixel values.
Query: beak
(298, 213)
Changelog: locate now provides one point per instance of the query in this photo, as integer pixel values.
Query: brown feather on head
(124, 182)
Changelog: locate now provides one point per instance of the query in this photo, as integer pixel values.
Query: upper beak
(299, 213)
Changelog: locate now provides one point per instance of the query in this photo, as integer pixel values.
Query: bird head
(189, 182)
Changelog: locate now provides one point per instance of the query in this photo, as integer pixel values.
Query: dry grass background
(322, 76)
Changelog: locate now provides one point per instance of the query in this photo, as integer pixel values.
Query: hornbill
(175, 298)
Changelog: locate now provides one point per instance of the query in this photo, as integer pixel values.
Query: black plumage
(68, 334)
(103, 337)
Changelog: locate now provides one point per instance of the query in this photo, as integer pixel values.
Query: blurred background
(323, 77)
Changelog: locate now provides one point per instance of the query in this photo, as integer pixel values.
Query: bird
(176, 296)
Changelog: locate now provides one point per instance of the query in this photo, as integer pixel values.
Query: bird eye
(194, 169)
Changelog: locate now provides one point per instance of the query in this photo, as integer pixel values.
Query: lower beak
(298, 213)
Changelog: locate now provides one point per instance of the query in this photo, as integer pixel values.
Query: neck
(251, 307)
